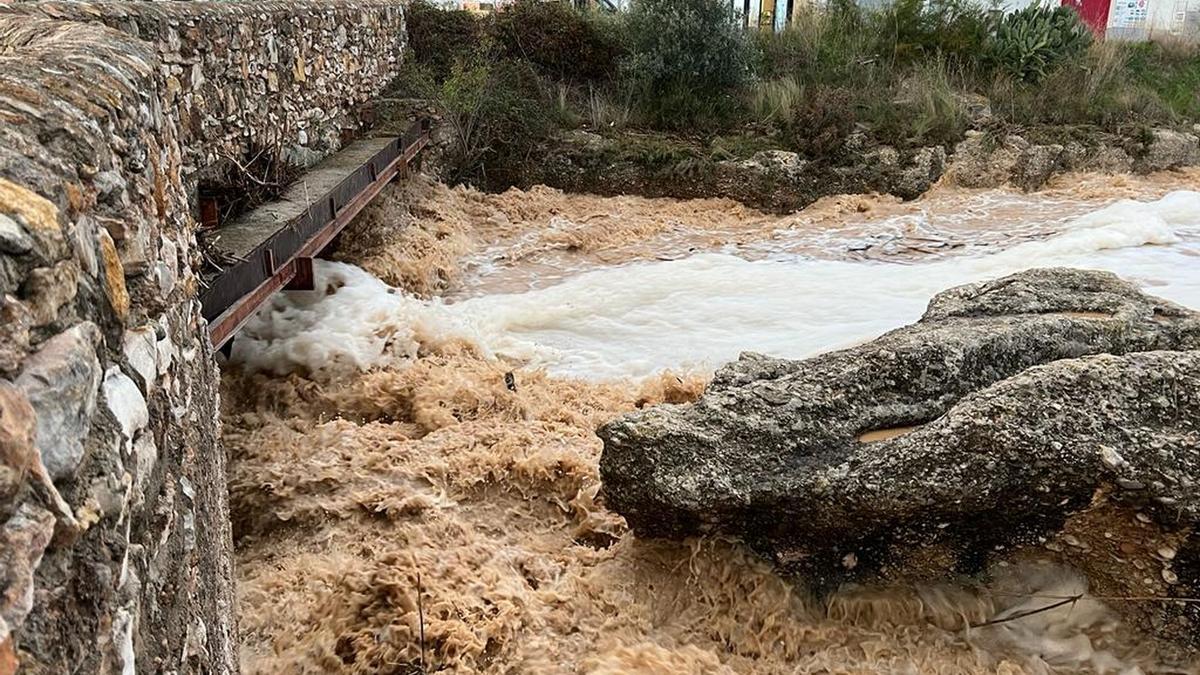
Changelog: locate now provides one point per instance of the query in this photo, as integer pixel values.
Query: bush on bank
(686, 60)
(916, 72)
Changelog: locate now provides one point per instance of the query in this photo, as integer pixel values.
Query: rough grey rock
(923, 170)
(1037, 163)
(999, 412)
(1169, 149)
(15, 323)
(13, 238)
(141, 351)
(23, 540)
(61, 381)
(49, 288)
(788, 164)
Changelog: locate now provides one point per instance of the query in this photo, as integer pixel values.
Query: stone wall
(114, 536)
(242, 77)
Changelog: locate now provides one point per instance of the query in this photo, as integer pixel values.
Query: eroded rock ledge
(1005, 409)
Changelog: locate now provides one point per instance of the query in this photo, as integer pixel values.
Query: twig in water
(1125, 598)
(421, 619)
(1021, 615)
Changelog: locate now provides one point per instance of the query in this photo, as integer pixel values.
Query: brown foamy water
(457, 243)
(432, 517)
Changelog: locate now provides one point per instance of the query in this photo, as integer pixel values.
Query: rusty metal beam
(303, 279)
(267, 277)
(221, 330)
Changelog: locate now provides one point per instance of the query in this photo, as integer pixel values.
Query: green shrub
(1095, 89)
(497, 114)
(775, 101)
(820, 125)
(687, 60)
(847, 41)
(818, 47)
(929, 106)
(563, 43)
(915, 30)
(608, 109)
(1172, 71)
(437, 38)
(1030, 43)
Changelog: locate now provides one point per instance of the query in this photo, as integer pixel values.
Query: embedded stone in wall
(16, 444)
(15, 323)
(23, 541)
(141, 351)
(61, 381)
(125, 403)
(49, 288)
(13, 238)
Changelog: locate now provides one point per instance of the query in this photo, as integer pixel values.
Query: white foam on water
(701, 311)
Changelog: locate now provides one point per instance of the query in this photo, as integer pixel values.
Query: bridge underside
(273, 245)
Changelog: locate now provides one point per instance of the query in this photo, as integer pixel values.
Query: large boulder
(998, 414)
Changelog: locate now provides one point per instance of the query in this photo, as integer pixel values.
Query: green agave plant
(1030, 43)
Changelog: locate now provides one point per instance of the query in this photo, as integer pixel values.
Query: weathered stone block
(114, 277)
(23, 540)
(49, 288)
(61, 381)
(978, 419)
(125, 403)
(15, 323)
(16, 444)
(141, 351)
(13, 238)
(36, 215)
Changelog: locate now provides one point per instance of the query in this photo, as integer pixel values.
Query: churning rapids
(413, 469)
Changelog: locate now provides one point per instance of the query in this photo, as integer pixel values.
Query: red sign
(1093, 12)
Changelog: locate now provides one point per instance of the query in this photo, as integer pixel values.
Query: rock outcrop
(781, 181)
(983, 160)
(1002, 411)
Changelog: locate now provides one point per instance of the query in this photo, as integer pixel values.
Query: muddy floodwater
(413, 467)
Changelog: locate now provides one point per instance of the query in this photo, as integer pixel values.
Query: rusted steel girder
(240, 290)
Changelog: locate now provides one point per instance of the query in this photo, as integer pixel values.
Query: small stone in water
(1143, 518)
(1166, 553)
(850, 561)
(1170, 577)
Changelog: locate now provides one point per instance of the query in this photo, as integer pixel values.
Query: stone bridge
(115, 551)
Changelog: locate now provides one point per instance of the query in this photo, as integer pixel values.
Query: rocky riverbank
(773, 179)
